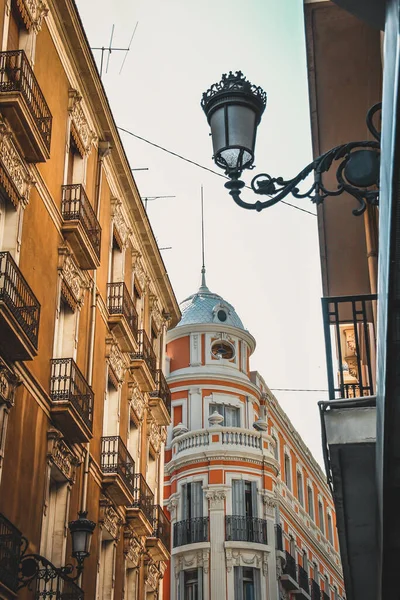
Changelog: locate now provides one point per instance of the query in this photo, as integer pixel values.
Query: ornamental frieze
(138, 269)
(109, 518)
(76, 280)
(33, 12)
(137, 402)
(16, 173)
(155, 311)
(117, 359)
(157, 436)
(83, 135)
(133, 547)
(152, 576)
(8, 384)
(119, 221)
(61, 455)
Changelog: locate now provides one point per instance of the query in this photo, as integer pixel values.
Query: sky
(265, 264)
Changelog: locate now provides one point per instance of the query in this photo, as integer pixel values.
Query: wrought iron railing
(143, 497)
(115, 458)
(191, 531)
(245, 529)
(75, 206)
(55, 586)
(162, 527)
(315, 590)
(16, 75)
(290, 566)
(10, 550)
(19, 298)
(303, 579)
(67, 384)
(120, 303)
(350, 340)
(162, 390)
(278, 537)
(145, 352)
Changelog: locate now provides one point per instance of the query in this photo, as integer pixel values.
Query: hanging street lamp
(234, 108)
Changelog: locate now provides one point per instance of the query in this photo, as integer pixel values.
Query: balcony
(24, 106)
(158, 544)
(144, 363)
(315, 590)
(191, 531)
(118, 470)
(55, 585)
(10, 549)
(19, 313)
(123, 318)
(303, 593)
(81, 227)
(72, 400)
(289, 575)
(141, 512)
(160, 400)
(245, 529)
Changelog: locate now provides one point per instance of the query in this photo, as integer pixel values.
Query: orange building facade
(85, 303)
(252, 516)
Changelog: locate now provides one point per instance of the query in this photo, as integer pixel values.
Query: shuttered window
(190, 585)
(247, 583)
(192, 500)
(244, 498)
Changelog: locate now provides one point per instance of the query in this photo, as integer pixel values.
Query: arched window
(300, 493)
(288, 474)
(310, 501)
(321, 516)
(330, 528)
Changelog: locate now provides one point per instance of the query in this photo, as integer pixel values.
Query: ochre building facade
(85, 303)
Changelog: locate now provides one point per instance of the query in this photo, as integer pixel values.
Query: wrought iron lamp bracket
(364, 189)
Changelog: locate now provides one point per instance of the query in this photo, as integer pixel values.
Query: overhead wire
(193, 162)
(295, 390)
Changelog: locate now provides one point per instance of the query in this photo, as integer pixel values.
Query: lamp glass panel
(80, 541)
(217, 124)
(241, 127)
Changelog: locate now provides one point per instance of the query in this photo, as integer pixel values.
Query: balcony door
(192, 500)
(247, 583)
(191, 584)
(244, 498)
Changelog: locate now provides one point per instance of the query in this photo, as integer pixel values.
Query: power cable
(193, 162)
(294, 390)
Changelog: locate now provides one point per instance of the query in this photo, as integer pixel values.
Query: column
(216, 497)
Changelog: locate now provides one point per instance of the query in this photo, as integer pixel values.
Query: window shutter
(238, 507)
(200, 583)
(197, 499)
(185, 514)
(257, 584)
(181, 585)
(254, 498)
(238, 583)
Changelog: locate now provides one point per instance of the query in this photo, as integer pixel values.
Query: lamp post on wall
(36, 567)
(234, 108)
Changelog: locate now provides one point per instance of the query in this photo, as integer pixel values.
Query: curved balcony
(191, 531)
(222, 439)
(240, 528)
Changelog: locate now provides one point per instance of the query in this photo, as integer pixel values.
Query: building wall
(53, 462)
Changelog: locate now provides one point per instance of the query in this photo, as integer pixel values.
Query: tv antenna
(110, 49)
(151, 198)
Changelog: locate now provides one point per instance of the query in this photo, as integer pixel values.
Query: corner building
(251, 513)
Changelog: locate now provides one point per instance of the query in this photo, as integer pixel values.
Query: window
(321, 516)
(222, 349)
(276, 448)
(66, 338)
(330, 528)
(132, 583)
(300, 493)
(55, 517)
(111, 410)
(305, 561)
(310, 502)
(247, 583)
(75, 165)
(11, 218)
(231, 414)
(105, 586)
(117, 262)
(244, 498)
(335, 593)
(292, 546)
(288, 475)
(192, 500)
(191, 585)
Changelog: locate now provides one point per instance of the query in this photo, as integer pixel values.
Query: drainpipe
(103, 151)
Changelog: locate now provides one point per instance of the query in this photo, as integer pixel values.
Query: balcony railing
(350, 345)
(145, 352)
(18, 297)
(115, 458)
(245, 529)
(226, 438)
(75, 206)
(290, 566)
(55, 585)
(303, 579)
(279, 537)
(143, 497)
(162, 527)
(315, 590)
(10, 549)
(67, 384)
(191, 531)
(120, 303)
(162, 390)
(16, 75)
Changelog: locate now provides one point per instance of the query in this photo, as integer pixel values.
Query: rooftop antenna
(110, 49)
(203, 266)
(151, 198)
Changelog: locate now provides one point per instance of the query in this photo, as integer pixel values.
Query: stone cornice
(185, 381)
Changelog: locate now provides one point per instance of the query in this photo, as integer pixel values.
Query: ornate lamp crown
(234, 84)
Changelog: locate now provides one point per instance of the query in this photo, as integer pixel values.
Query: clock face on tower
(222, 349)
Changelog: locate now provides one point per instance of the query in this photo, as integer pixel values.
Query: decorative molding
(238, 558)
(118, 361)
(9, 382)
(120, 223)
(157, 436)
(138, 269)
(138, 403)
(76, 280)
(270, 502)
(172, 506)
(61, 455)
(16, 178)
(216, 497)
(133, 547)
(109, 518)
(33, 12)
(82, 133)
(153, 576)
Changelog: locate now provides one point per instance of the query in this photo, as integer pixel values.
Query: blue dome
(206, 307)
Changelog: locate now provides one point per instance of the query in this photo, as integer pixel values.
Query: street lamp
(36, 567)
(234, 108)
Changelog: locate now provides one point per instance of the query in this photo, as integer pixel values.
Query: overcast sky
(266, 264)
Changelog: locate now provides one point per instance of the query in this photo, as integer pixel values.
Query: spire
(203, 287)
